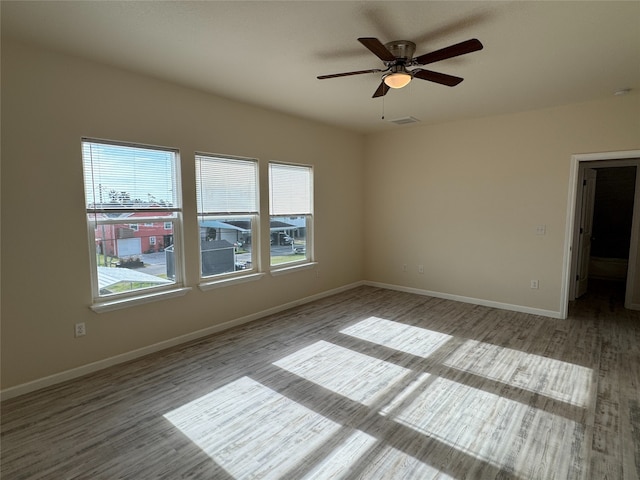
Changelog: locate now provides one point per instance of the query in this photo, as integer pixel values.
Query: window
(291, 210)
(227, 197)
(127, 186)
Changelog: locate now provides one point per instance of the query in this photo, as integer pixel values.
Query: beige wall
(49, 102)
(464, 199)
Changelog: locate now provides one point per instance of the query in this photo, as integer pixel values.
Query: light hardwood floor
(369, 384)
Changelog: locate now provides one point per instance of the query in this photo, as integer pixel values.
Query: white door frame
(574, 177)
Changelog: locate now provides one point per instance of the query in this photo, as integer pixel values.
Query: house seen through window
(291, 211)
(227, 202)
(133, 209)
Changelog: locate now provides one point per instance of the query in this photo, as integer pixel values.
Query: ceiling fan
(398, 55)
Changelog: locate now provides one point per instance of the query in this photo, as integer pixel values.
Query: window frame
(207, 282)
(113, 301)
(309, 259)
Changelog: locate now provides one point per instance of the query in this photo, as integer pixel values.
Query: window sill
(230, 281)
(293, 268)
(138, 300)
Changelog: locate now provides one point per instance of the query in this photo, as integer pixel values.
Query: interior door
(586, 229)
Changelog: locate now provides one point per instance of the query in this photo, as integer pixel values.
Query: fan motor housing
(403, 50)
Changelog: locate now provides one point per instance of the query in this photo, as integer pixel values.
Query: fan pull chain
(383, 107)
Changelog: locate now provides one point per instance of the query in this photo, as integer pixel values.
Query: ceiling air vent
(404, 120)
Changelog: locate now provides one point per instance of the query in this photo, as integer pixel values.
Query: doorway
(590, 242)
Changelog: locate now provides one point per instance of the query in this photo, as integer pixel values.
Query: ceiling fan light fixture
(398, 55)
(397, 80)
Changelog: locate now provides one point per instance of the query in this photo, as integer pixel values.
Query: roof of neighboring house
(109, 276)
(277, 225)
(299, 222)
(207, 245)
(244, 225)
(127, 215)
(219, 224)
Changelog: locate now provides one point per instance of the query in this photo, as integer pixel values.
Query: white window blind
(291, 192)
(127, 177)
(226, 185)
(133, 208)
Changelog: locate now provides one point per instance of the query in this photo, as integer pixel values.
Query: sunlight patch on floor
(338, 462)
(351, 374)
(553, 378)
(252, 431)
(468, 418)
(391, 463)
(563, 381)
(399, 336)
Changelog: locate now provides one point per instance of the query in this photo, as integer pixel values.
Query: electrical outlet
(404, 267)
(420, 268)
(534, 284)
(80, 329)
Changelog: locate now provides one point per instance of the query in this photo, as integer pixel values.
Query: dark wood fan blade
(381, 91)
(377, 48)
(442, 78)
(449, 52)
(346, 74)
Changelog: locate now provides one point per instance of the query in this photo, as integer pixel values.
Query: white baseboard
(475, 301)
(156, 347)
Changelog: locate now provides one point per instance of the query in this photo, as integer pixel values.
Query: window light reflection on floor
(399, 336)
(464, 417)
(348, 452)
(563, 381)
(553, 378)
(391, 463)
(348, 373)
(252, 431)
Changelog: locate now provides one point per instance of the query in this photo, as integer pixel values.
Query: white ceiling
(268, 53)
